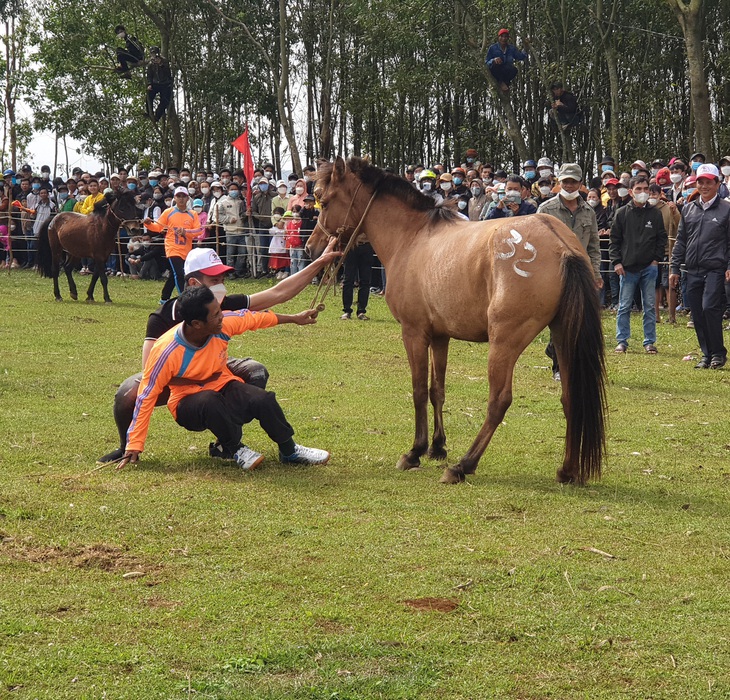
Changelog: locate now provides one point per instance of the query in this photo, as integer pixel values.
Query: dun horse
(68, 237)
(500, 282)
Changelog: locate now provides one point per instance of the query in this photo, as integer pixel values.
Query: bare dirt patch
(443, 605)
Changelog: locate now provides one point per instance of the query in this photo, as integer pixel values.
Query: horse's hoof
(58, 299)
(75, 297)
(404, 464)
(437, 453)
(90, 300)
(563, 477)
(107, 301)
(451, 476)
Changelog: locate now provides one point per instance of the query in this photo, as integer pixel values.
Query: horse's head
(123, 211)
(343, 190)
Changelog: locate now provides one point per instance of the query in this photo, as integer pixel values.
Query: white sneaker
(247, 459)
(305, 455)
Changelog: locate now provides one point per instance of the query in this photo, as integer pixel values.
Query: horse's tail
(44, 256)
(584, 357)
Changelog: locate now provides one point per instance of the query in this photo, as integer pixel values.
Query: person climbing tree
(159, 82)
(501, 59)
(132, 55)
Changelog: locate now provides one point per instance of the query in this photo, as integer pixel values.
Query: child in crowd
(278, 257)
(294, 240)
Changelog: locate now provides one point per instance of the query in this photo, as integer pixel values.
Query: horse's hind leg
(417, 349)
(437, 392)
(68, 266)
(105, 287)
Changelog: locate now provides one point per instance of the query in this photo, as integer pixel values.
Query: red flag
(243, 145)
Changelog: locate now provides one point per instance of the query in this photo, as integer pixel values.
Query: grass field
(354, 580)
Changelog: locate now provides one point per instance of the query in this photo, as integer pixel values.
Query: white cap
(181, 190)
(707, 170)
(205, 260)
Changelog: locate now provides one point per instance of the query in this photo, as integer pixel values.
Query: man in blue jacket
(501, 59)
(703, 246)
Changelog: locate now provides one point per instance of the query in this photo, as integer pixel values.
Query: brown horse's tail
(44, 256)
(583, 354)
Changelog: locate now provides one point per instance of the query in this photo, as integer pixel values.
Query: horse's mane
(125, 197)
(389, 183)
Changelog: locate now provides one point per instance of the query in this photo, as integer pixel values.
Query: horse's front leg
(92, 284)
(417, 350)
(105, 286)
(437, 392)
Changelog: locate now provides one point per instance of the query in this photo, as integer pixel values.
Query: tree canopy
(401, 81)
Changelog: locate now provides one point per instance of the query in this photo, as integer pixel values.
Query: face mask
(545, 190)
(282, 191)
(622, 192)
(36, 186)
(204, 190)
(653, 201)
(461, 204)
(495, 197)
(446, 186)
(225, 180)
(263, 186)
(269, 175)
(500, 196)
(426, 186)
(185, 179)
(219, 292)
(217, 193)
(157, 196)
(121, 36)
(604, 168)
(306, 178)
(530, 175)
(200, 178)
(198, 209)
(458, 181)
(469, 160)
(132, 186)
(654, 171)
(641, 197)
(233, 194)
(168, 202)
(209, 180)
(592, 202)
(154, 183)
(634, 172)
(141, 206)
(476, 191)
(687, 193)
(725, 170)
(63, 196)
(676, 177)
(695, 165)
(46, 176)
(299, 190)
(569, 195)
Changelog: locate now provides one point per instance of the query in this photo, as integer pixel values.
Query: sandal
(621, 348)
(650, 349)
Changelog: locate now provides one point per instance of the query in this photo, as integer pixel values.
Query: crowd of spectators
(268, 238)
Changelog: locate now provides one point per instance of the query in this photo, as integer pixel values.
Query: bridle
(331, 273)
(123, 223)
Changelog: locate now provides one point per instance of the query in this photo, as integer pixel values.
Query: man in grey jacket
(703, 246)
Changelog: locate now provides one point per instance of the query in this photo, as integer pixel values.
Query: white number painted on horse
(512, 241)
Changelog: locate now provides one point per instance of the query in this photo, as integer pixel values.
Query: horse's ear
(338, 172)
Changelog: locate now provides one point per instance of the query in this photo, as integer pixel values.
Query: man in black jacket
(638, 239)
(159, 82)
(131, 55)
(703, 246)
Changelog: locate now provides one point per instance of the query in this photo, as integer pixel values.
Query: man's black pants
(358, 264)
(706, 298)
(224, 412)
(165, 93)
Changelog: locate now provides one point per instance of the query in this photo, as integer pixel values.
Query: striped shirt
(188, 369)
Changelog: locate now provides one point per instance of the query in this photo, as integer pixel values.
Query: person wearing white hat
(204, 267)
(181, 226)
(703, 247)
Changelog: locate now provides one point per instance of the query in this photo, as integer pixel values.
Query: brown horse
(499, 281)
(85, 236)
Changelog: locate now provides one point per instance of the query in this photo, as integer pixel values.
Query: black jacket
(703, 238)
(638, 237)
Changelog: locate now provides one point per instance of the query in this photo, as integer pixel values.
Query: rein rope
(329, 276)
